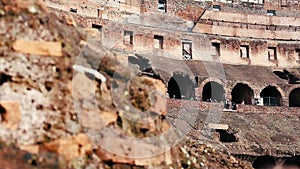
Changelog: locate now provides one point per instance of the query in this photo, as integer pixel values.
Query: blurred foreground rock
(38, 48)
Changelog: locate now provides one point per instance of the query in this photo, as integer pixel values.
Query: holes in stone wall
(98, 27)
(226, 136)
(162, 5)
(47, 126)
(244, 51)
(3, 114)
(4, 78)
(119, 121)
(187, 50)
(216, 8)
(215, 48)
(98, 13)
(39, 107)
(297, 51)
(281, 75)
(128, 37)
(158, 42)
(74, 10)
(271, 12)
(272, 53)
(48, 85)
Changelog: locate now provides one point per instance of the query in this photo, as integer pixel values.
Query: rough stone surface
(62, 118)
(72, 147)
(38, 48)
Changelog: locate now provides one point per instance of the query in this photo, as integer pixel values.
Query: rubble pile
(60, 106)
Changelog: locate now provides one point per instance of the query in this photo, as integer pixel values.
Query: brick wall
(207, 106)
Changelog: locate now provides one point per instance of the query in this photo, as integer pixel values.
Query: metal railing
(271, 101)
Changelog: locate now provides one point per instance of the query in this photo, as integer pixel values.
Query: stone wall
(83, 21)
(234, 33)
(207, 106)
(267, 109)
(143, 42)
(231, 27)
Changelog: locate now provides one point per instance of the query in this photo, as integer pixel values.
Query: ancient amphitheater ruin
(256, 43)
(228, 71)
(243, 53)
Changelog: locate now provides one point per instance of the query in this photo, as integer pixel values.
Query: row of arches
(180, 87)
(241, 94)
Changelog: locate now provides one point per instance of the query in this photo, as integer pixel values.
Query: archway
(292, 163)
(173, 89)
(271, 96)
(294, 98)
(181, 87)
(264, 162)
(242, 93)
(213, 91)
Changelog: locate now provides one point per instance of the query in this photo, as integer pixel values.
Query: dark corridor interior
(264, 162)
(213, 91)
(242, 93)
(181, 87)
(294, 98)
(271, 96)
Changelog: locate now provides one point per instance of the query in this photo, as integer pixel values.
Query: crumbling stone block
(70, 20)
(38, 48)
(141, 153)
(71, 147)
(34, 149)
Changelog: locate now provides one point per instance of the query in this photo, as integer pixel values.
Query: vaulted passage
(271, 96)
(292, 163)
(173, 89)
(213, 91)
(264, 162)
(181, 87)
(294, 98)
(242, 93)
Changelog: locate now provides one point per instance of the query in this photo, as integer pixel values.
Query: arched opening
(242, 94)
(271, 96)
(213, 91)
(264, 162)
(173, 89)
(294, 98)
(181, 87)
(292, 163)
